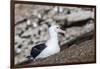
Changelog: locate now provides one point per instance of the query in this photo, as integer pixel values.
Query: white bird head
(56, 28)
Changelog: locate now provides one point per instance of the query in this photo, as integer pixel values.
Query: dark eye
(57, 27)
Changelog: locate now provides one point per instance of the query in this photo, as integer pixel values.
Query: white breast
(52, 45)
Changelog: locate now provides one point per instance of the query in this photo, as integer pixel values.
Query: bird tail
(30, 57)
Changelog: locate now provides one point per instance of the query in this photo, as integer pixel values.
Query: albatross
(50, 47)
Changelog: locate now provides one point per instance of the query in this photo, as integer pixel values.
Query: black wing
(36, 50)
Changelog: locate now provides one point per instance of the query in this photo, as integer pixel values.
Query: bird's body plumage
(49, 48)
(36, 50)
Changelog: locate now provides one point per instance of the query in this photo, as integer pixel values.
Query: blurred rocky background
(31, 28)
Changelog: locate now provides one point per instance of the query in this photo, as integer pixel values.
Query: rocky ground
(83, 52)
(31, 25)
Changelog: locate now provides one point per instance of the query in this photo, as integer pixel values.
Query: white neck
(53, 40)
(53, 36)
